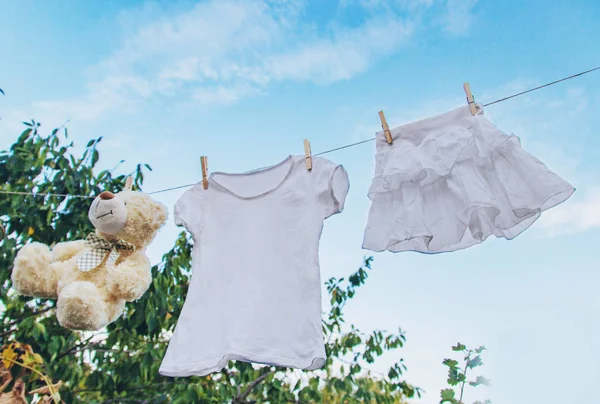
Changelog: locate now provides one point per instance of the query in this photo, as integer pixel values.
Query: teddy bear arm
(67, 250)
(131, 278)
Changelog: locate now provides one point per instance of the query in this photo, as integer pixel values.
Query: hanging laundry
(450, 181)
(255, 291)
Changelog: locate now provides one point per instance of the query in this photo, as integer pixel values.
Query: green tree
(120, 363)
(457, 374)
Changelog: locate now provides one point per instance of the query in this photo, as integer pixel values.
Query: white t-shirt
(255, 290)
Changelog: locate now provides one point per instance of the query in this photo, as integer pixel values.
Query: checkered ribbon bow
(97, 250)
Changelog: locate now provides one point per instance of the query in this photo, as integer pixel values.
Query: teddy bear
(93, 278)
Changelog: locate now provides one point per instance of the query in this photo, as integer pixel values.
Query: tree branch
(462, 387)
(226, 375)
(2, 334)
(18, 320)
(241, 397)
(77, 348)
(34, 314)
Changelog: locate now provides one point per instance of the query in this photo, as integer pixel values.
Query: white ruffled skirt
(450, 181)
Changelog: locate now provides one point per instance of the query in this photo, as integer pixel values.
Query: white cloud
(251, 42)
(458, 16)
(222, 95)
(574, 216)
(402, 4)
(185, 69)
(217, 52)
(345, 54)
(453, 16)
(111, 92)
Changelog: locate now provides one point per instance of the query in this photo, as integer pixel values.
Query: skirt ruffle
(454, 187)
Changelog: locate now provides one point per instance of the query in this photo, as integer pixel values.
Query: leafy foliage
(120, 363)
(457, 375)
(19, 361)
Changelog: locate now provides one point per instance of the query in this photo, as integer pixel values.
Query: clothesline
(323, 152)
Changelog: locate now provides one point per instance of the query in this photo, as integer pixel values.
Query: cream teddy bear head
(127, 215)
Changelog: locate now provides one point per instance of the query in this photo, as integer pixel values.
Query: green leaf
(451, 363)
(447, 396)
(24, 136)
(481, 381)
(95, 157)
(459, 347)
(455, 376)
(40, 327)
(473, 363)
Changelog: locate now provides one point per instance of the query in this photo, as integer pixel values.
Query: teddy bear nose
(106, 195)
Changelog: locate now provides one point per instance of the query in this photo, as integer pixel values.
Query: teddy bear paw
(65, 251)
(32, 274)
(82, 307)
(129, 286)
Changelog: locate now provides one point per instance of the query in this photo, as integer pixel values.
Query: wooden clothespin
(204, 163)
(129, 183)
(470, 99)
(385, 127)
(308, 154)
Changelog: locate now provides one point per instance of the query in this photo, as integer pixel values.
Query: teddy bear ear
(160, 215)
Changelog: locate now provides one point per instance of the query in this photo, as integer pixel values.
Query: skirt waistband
(416, 131)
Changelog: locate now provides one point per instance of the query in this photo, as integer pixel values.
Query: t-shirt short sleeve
(189, 209)
(332, 186)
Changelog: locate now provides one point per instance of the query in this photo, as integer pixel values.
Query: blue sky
(244, 82)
